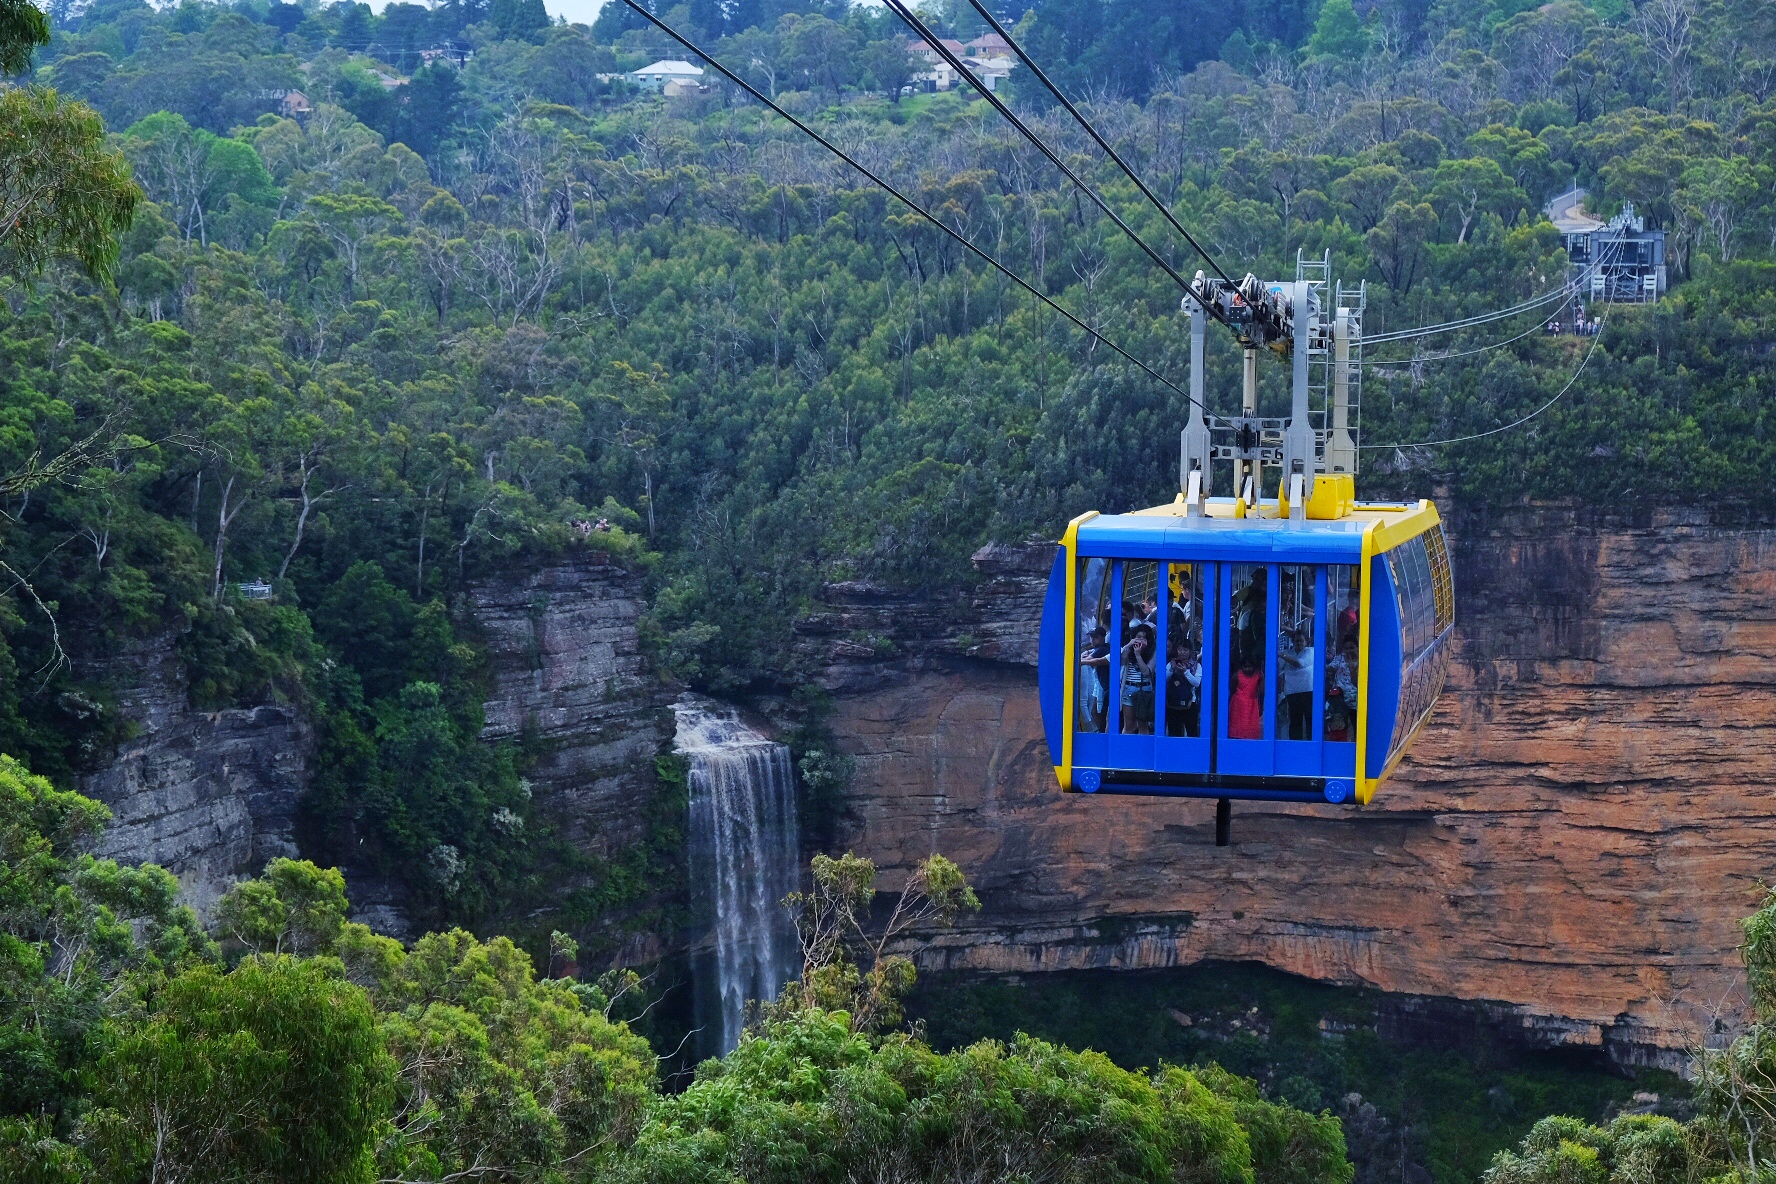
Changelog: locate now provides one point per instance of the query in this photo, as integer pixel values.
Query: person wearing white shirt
(1297, 685)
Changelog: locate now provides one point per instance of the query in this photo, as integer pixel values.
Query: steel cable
(901, 197)
(1042, 77)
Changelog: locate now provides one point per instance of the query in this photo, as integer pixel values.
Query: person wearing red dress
(1245, 710)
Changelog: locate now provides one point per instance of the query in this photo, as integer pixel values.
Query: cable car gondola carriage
(1244, 647)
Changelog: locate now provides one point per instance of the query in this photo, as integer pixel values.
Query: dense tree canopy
(300, 1046)
(418, 296)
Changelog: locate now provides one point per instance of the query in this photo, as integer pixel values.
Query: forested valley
(337, 311)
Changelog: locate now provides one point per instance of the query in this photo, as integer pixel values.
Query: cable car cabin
(1244, 657)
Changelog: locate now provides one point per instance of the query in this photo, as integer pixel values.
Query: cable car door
(1184, 715)
(1245, 670)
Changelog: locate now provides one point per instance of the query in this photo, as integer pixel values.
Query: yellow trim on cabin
(1365, 786)
(1402, 527)
(1069, 693)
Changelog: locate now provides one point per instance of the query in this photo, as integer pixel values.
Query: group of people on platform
(1579, 326)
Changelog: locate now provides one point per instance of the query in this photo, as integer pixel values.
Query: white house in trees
(663, 73)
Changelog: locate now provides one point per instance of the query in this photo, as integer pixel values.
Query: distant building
(666, 72)
(257, 590)
(294, 105)
(989, 45)
(989, 68)
(450, 55)
(1619, 261)
(920, 49)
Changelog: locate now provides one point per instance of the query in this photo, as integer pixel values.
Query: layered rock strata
(570, 684)
(213, 795)
(1573, 838)
(210, 795)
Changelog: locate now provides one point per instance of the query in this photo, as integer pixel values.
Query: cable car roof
(1164, 532)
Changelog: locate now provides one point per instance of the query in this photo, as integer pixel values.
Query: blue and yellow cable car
(1227, 657)
(1233, 648)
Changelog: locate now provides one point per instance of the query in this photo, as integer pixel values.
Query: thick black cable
(898, 195)
(1042, 77)
(936, 43)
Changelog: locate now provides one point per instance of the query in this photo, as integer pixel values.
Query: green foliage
(847, 968)
(66, 195)
(505, 1069)
(1634, 1149)
(1448, 1105)
(73, 931)
(23, 27)
(274, 1070)
(1338, 32)
(809, 1099)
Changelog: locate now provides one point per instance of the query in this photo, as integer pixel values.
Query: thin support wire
(1042, 77)
(1583, 362)
(904, 200)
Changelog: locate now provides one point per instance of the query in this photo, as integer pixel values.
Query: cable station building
(1630, 258)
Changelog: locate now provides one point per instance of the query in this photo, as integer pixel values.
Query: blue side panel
(1051, 657)
(1384, 664)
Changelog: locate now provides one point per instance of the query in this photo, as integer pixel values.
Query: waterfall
(745, 857)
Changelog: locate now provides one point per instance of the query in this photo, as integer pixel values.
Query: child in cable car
(1183, 681)
(1245, 708)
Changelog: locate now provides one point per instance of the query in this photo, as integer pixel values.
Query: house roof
(671, 67)
(949, 43)
(989, 45)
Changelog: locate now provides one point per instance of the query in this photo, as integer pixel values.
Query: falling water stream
(745, 855)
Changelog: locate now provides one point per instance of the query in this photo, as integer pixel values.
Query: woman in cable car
(1229, 656)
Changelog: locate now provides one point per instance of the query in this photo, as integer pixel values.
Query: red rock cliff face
(1573, 838)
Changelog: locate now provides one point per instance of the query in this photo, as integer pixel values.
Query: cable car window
(1411, 570)
(1442, 578)
(1183, 650)
(1140, 656)
(1248, 609)
(1421, 574)
(1092, 628)
(1295, 653)
(1344, 606)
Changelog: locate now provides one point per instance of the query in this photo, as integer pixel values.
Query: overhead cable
(1583, 362)
(898, 195)
(1042, 77)
(918, 26)
(1572, 295)
(1481, 318)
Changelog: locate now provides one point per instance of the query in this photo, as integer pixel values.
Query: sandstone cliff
(569, 682)
(210, 795)
(1573, 838)
(213, 795)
